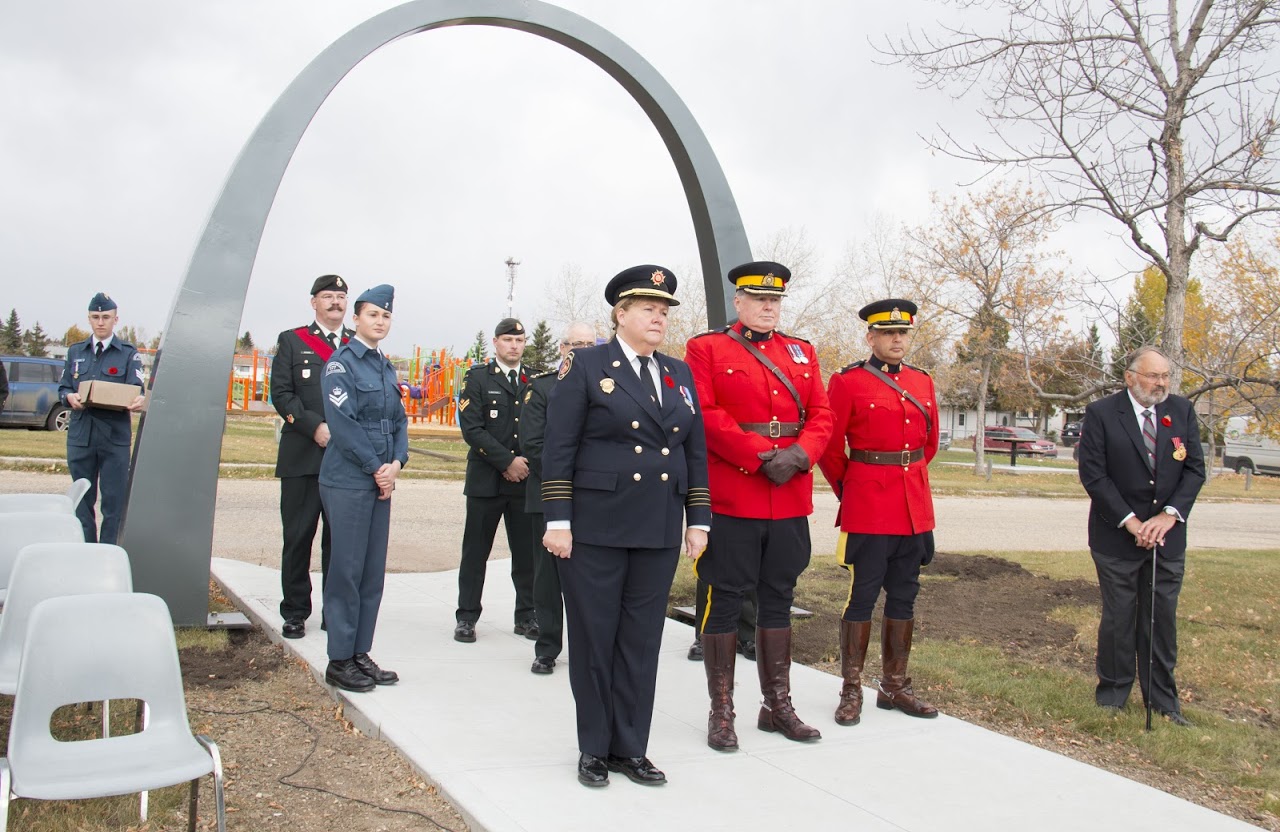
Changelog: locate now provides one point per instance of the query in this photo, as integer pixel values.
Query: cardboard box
(108, 395)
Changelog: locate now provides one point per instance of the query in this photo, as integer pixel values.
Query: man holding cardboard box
(102, 384)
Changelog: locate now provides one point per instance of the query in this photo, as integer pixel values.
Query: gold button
(635, 424)
(729, 371)
(666, 451)
(907, 445)
(775, 392)
(515, 435)
(664, 477)
(638, 449)
(635, 477)
(873, 406)
(1153, 502)
(676, 429)
(908, 421)
(775, 446)
(617, 363)
(1151, 482)
(517, 418)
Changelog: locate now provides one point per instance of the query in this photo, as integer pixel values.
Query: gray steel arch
(168, 529)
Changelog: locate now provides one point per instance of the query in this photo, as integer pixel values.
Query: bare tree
(1162, 120)
(573, 296)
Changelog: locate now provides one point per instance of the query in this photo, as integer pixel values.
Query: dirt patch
(249, 658)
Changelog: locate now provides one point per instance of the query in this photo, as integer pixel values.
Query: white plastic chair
(86, 648)
(20, 529)
(58, 503)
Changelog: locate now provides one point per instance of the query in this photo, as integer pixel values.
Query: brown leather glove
(781, 465)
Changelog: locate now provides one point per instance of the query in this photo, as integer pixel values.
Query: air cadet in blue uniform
(624, 461)
(98, 439)
(368, 446)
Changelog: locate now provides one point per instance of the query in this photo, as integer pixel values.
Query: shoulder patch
(565, 366)
(462, 404)
(334, 367)
(855, 365)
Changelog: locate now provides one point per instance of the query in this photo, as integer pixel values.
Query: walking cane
(1151, 636)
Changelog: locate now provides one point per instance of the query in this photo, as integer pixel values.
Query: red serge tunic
(871, 416)
(734, 387)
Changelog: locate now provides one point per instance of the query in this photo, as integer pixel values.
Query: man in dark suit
(296, 392)
(489, 416)
(547, 600)
(1140, 461)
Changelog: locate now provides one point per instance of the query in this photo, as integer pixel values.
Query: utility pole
(511, 286)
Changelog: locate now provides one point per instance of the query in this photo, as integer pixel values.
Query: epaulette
(855, 365)
(917, 369)
(717, 331)
(542, 374)
(792, 337)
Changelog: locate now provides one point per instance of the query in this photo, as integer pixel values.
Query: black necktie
(511, 376)
(646, 378)
(97, 352)
(333, 340)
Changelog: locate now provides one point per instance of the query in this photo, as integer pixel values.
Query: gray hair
(1131, 361)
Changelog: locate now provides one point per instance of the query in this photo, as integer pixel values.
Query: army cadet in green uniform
(489, 416)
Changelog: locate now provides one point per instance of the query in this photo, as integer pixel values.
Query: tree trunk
(1178, 251)
(979, 438)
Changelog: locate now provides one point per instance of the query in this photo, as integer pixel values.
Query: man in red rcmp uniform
(296, 392)
(887, 413)
(767, 421)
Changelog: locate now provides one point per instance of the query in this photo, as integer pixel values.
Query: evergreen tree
(542, 353)
(11, 335)
(480, 349)
(245, 344)
(35, 341)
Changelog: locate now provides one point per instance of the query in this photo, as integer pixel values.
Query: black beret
(328, 282)
(642, 281)
(508, 326)
(762, 277)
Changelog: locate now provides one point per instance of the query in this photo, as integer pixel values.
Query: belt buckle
(775, 429)
(386, 427)
(906, 459)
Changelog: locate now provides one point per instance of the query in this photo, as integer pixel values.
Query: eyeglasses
(1155, 376)
(577, 345)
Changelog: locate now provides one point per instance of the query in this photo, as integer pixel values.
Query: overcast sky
(442, 154)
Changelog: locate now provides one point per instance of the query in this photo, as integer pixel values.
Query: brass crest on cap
(896, 314)
(519, 327)
(339, 283)
(658, 278)
(769, 280)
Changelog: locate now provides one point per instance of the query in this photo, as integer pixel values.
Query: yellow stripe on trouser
(840, 559)
(706, 612)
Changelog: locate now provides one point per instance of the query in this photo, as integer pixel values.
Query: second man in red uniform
(767, 422)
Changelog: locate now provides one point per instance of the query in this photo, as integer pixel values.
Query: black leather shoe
(542, 665)
(344, 674)
(294, 628)
(695, 649)
(528, 629)
(370, 668)
(747, 648)
(1177, 719)
(465, 631)
(638, 770)
(592, 771)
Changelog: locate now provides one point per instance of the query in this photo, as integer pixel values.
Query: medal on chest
(797, 354)
(1179, 449)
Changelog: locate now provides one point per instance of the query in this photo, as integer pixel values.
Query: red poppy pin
(524, 379)
(1166, 421)
(667, 381)
(111, 371)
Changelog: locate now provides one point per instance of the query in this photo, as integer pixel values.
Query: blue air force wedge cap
(380, 296)
(762, 277)
(101, 302)
(642, 281)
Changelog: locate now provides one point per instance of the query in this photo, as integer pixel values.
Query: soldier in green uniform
(489, 416)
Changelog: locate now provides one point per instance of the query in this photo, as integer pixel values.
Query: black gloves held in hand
(781, 465)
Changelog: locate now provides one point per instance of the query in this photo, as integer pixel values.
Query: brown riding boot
(773, 663)
(895, 684)
(719, 654)
(854, 636)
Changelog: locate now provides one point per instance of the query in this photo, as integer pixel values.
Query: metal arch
(168, 529)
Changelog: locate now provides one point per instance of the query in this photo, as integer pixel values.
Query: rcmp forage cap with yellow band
(101, 302)
(647, 281)
(508, 326)
(894, 313)
(328, 283)
(380, 296)
(762, 277)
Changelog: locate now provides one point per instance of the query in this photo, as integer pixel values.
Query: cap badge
(339, 283)
(658, 278)
(896, 314)
(769, 280)
(607, 385)
(519, 327)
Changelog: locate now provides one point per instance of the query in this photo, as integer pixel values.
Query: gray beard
(1150, 401)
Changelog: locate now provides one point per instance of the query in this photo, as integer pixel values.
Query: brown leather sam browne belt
(903, 458)
(773, 429)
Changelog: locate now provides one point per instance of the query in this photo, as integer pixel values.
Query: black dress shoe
(592, 771)
(638, 770)
(747, 648)
(370, 668)
(294, 628)
(528, 629)
(543, 665)
(1177, 719)
(695, 649)
(344, 674)
(465, 631)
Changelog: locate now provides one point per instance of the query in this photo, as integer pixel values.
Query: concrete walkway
(499, 742)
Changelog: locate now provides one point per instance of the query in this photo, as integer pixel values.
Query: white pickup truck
(1249, 450)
